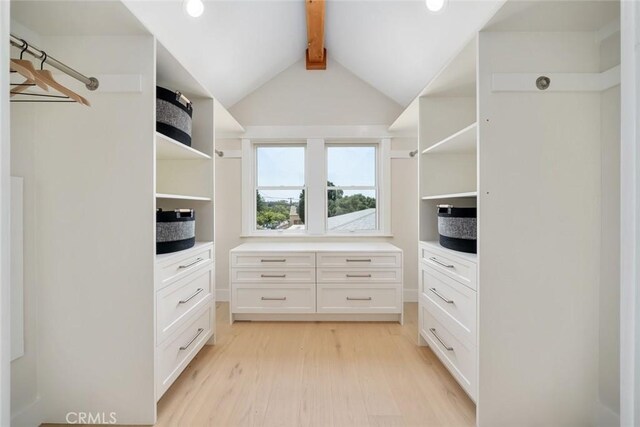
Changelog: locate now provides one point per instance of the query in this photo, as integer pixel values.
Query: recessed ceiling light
(436, 6)
(194, 7)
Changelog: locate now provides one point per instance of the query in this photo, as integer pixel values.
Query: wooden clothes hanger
(27, 70)
(46, 77)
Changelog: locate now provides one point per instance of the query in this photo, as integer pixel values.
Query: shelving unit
(450, 196)
(182, 197)
(463, 141)
(170, 149)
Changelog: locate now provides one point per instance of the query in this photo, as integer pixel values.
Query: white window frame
(316, 195)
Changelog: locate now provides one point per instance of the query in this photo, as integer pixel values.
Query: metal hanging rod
(90, 82)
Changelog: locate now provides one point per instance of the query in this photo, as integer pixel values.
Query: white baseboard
(29, 416)
(222, 295)
(410, 295)
(605, 417)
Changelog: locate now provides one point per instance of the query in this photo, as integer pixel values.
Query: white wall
(334, 96)
(609, 293)
(306, 98)
(540, 235)
(89, 247)
(5, 231)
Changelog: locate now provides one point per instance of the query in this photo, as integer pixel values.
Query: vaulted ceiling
(237, 46)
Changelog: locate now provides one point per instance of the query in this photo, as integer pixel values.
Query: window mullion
(316, 182)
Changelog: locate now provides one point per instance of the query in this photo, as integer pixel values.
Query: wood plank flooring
(316, 374)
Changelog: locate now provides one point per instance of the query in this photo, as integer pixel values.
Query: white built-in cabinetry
(529, 326)
(316, 281)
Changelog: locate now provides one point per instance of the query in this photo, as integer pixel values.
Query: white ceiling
(236, 46)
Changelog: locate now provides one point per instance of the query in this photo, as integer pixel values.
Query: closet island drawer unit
(185, 309)
(448, 310)
(340, 279)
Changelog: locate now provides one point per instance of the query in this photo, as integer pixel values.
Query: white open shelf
(463, 141)
(196, 247)
(170, 149)
(451, 196)
(181, 197)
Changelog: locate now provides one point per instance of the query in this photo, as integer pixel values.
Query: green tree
(260, 204)
(270, 219)
(301, 206)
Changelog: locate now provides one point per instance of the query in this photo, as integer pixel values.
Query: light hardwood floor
(316, 374)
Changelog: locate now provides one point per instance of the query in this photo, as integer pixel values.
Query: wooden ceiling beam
(316, 52)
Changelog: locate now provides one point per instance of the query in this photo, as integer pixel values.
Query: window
(352, 189)
(316, 188)
(280, 188)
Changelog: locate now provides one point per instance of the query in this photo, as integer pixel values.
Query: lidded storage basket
(458, 228)
(173, 115)
(175, 230)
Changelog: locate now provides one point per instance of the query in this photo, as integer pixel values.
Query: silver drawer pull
(434, 259)
(273, 299)
(184, 301)
(359, 275)
(435, 334)
(358, 260)
(359, 299)
(273, 260)
(186, 346)
(273, 276)
(435, 291)
(191, 264)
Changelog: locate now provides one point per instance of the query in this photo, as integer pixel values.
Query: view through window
(280, 188)
(351, 189)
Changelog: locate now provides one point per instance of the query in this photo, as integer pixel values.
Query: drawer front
(360, 259)
(179, 350)
(344, 275)
(181, 266)
(273, 299)
(273, 259)
(242, 275)
(176, 302)
(449, 299)
(458, 269)
(458, 357)
(347, 298)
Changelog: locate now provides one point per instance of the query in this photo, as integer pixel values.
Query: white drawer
(349, 298)
(458, 357)
(176, 302)
(344, 275)
(360, 259)
(273, 299)
(457, 268)
(273, 259)
(172, 267)
(253, 275)
(179, 350)
(450, 300)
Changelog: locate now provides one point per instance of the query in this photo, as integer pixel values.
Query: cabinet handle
(191, 264)
(358, 260)
(184, 301)
(273, 276)
(435, 291)
(186, 346)
(273, 299)
(358, 275)
(273, 260)
(434, 259)
(435, 334)
(359, 299)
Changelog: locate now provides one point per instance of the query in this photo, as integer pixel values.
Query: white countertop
(317, 247)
